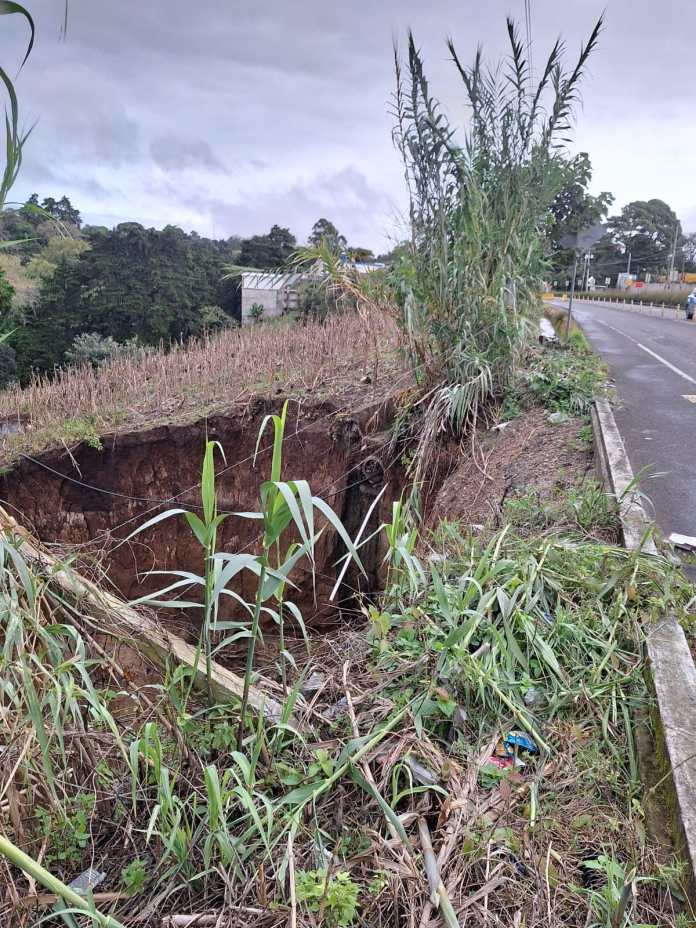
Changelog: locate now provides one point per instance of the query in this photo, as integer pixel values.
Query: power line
(528, 25)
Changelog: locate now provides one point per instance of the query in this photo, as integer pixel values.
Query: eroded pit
(94, 498)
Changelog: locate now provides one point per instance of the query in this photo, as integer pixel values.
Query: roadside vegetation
(485, 710)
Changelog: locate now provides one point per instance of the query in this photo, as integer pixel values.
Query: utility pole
(588, 258)
(674, 255)
(628, 267)
(572, 292)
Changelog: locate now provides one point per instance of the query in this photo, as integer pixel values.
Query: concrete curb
(618, 477)
(671, 664)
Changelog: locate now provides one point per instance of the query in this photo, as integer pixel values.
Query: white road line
(658, 357)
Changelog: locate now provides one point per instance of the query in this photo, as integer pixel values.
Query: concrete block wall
(271, 300)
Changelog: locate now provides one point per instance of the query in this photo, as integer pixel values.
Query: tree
(325, 232)
(130, 281)
(646, 229)
(7, 293)
(8, 364)
(689, 252)
(362, 255)
(573, 209)
(268, 251)
(92, 348)
(399, 251)
(58, 248)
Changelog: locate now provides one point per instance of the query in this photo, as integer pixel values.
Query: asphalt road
(653, 365)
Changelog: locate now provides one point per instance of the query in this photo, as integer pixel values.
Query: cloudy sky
(226, 116)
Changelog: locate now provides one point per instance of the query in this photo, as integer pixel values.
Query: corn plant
(285, 506)
(14, 136)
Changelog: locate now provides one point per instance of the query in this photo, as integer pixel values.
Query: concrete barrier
(671, 665)
(658, 312)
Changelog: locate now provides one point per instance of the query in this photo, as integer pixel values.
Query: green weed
(565, 381)
(334, 895)
(593, 508)
(67, 830)
(134, 876)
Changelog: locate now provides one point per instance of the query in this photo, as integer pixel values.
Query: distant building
(276, 293)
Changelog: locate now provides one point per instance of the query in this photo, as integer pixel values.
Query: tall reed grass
(479, 200)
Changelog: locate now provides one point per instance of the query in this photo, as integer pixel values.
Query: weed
(67, 831)
(334, 895)
(494, 625)
(586, 435)
(566, 381)
(467, 284)
(513, 403)
(527, 511)
(593, 508)
(134, 876)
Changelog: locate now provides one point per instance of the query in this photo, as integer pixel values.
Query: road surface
(652, 362)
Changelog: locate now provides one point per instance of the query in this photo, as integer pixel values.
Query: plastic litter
(518, 741)
(502, 763)
(88, 879)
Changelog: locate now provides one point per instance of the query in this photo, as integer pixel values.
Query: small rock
(459, 718)
(338, 709)
(558, 418)
(532, 697)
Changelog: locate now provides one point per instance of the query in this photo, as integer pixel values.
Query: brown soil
(528, 454)
(95, 498)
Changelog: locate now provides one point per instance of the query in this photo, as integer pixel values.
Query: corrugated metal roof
(270, 280)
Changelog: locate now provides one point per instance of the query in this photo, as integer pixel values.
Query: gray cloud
(228, 116)
(175, 153)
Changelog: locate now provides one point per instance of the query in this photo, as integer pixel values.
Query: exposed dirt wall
(96, 497)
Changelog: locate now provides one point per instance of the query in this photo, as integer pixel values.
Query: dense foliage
(268, 251)
(573, 210)
(649, 230)
(120, 284)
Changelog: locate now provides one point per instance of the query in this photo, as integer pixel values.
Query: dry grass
(320, 359)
